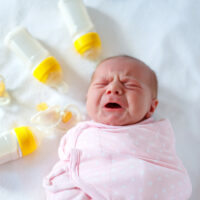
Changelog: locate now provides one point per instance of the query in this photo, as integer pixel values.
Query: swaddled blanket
(100, 162)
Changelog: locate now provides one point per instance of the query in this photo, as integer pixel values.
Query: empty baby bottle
(18, 143)
(4, 96)
(45, 68)
(80, 27)
(53, 119)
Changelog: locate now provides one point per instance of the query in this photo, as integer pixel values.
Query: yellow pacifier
(53, 119)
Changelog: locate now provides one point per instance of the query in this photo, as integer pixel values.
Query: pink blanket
(103, 162)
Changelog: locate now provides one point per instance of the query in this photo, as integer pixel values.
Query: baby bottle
(85, 39)
(4, 96)
(53, 119)
(18, 143)
(45, 68)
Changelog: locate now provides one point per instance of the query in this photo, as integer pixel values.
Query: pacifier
(53, 119)
(4, 96)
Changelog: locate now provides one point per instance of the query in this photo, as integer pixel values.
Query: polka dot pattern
(135, 162)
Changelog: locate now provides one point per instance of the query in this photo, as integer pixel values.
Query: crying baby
(122, 153)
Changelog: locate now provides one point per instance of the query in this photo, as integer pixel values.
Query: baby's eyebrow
(129, 78)
(99, 78)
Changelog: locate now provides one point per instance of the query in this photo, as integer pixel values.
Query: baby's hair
(154, 79)
(120, 56)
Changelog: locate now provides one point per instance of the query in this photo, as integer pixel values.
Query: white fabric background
(164, 34)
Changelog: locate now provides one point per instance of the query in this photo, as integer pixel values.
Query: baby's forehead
(122, 66)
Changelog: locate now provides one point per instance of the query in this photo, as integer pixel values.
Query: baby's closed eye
(131, 85)
(100, 83)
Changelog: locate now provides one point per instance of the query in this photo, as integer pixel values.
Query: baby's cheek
(92, 103)
(137, 107)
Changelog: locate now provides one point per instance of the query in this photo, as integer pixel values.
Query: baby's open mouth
(112, 105)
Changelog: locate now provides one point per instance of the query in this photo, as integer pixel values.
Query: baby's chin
(114, 120)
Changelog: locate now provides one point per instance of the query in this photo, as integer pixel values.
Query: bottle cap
(26, 139)
(87, 42)
(45, 68)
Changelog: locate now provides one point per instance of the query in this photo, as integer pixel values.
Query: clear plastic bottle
(53, 119)
(4, 95)
(45, 67)
(81, 28)
(18, 142)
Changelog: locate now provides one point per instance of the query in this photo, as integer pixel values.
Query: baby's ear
(153, 107)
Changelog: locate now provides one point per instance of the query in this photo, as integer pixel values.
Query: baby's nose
(114, 89)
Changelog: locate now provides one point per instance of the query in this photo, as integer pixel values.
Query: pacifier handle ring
(75, 108)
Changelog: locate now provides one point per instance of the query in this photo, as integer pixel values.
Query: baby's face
(120, 92)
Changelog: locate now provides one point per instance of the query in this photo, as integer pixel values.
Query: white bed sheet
(164, 34)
